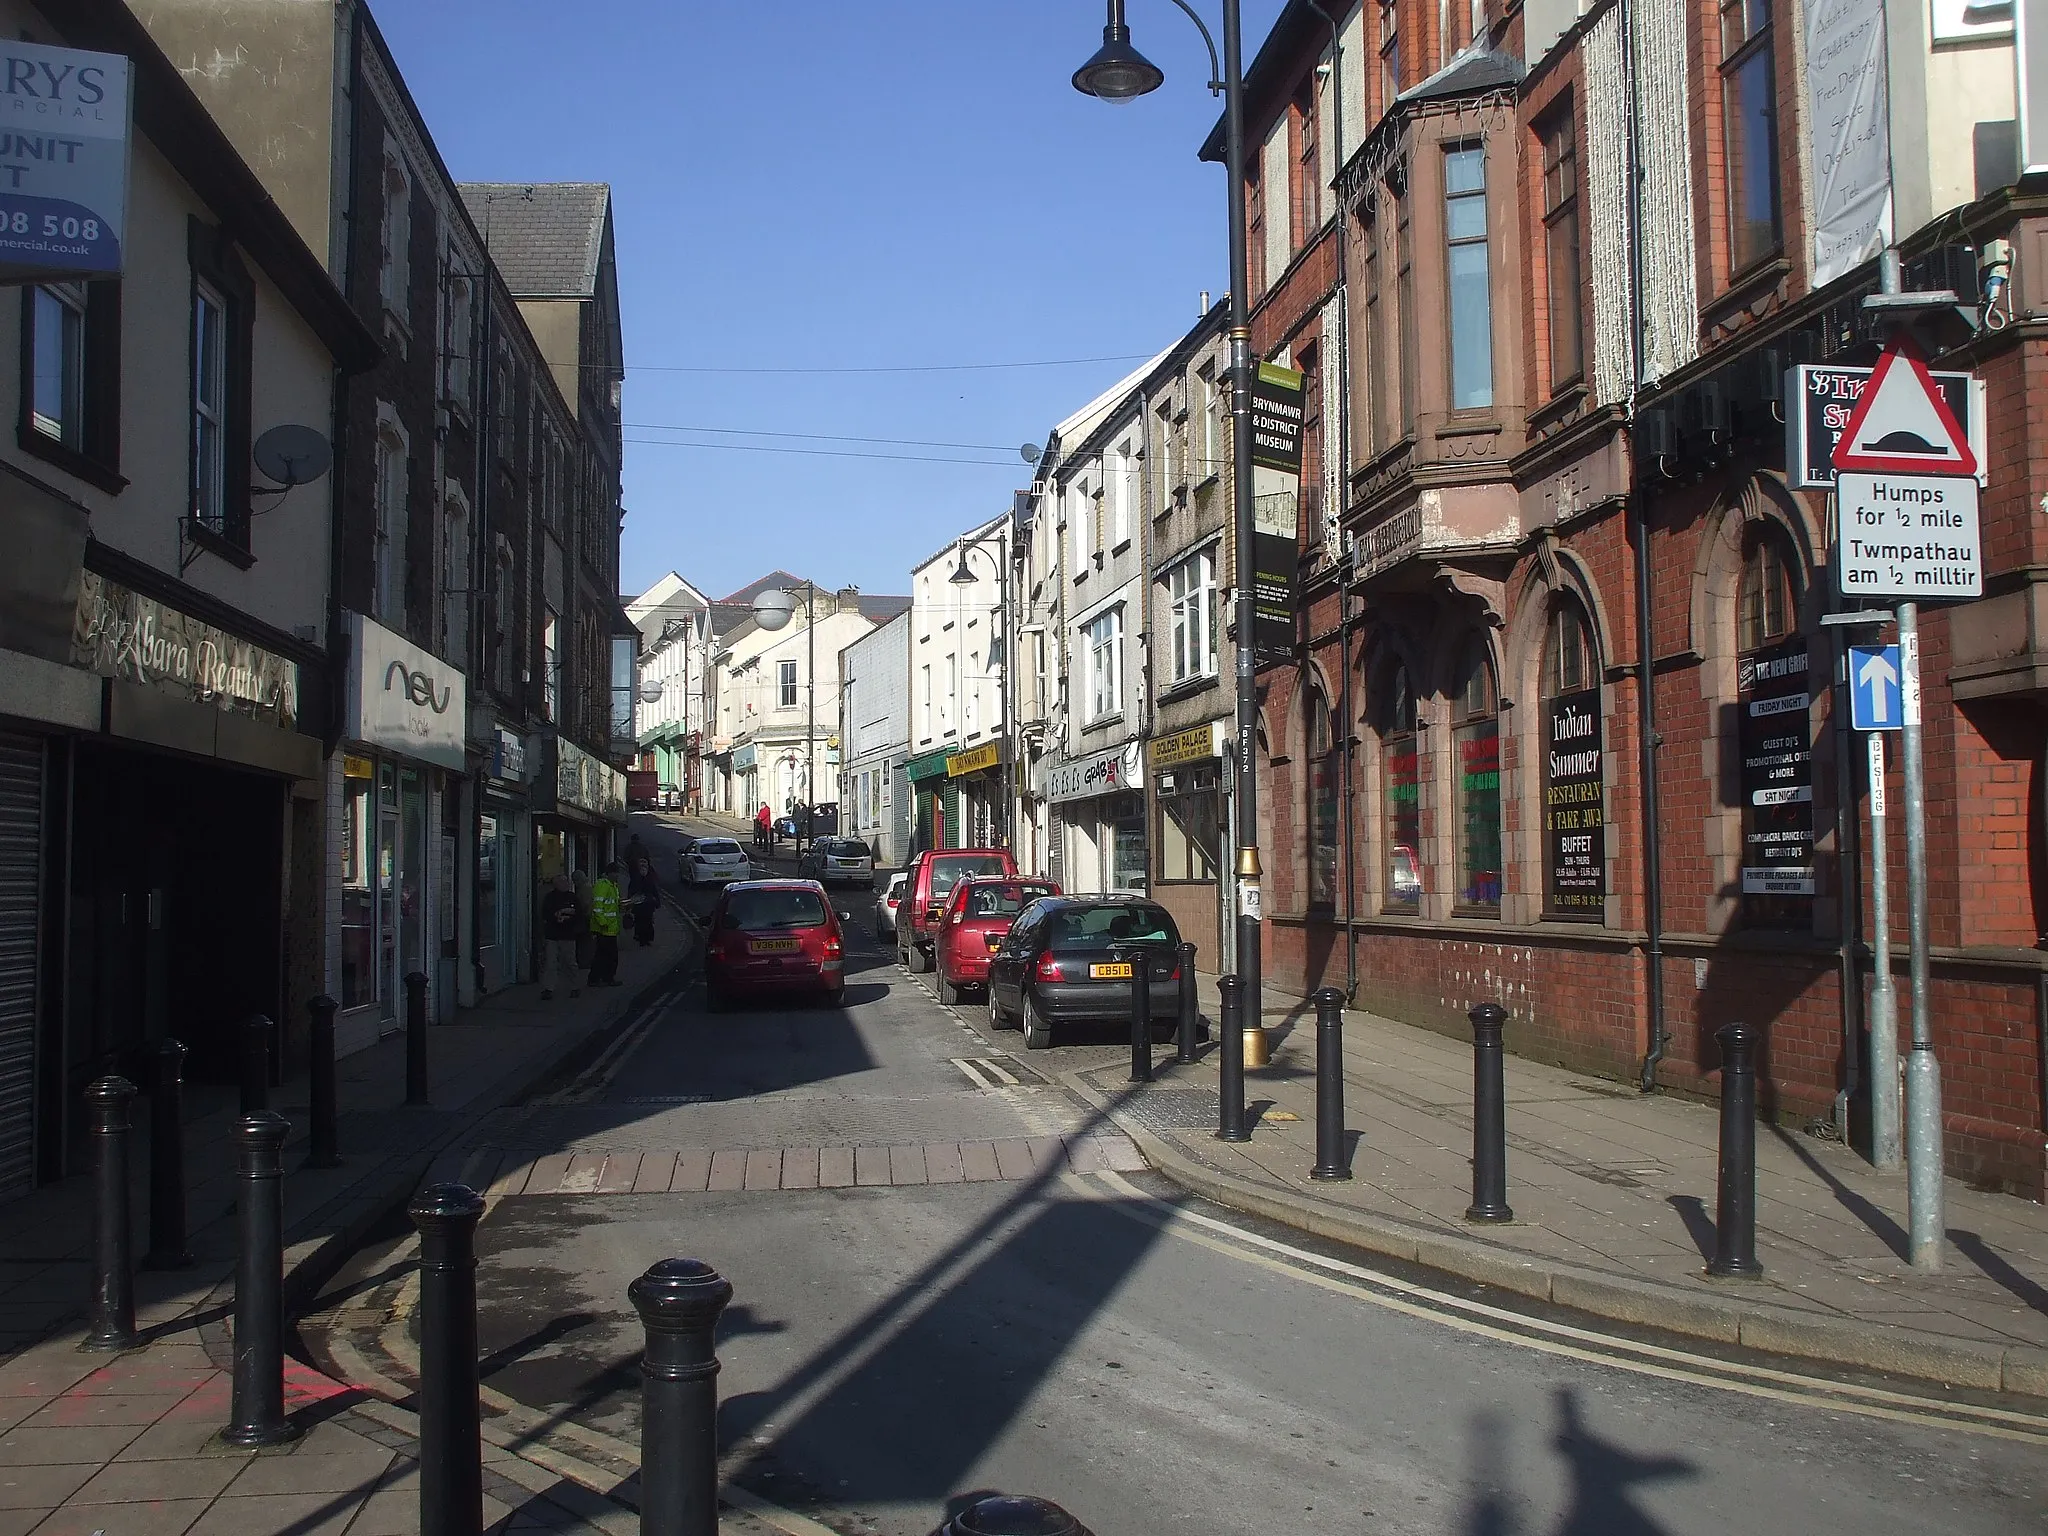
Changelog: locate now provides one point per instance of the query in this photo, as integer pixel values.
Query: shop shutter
(21, 825)
(1056, 847)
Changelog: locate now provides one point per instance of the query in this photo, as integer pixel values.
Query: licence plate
(773, 946)
(1118, 972)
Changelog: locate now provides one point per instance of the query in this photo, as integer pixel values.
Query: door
(21, 900)
(388, 972)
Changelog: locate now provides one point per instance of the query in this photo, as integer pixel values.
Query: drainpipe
(1646, 649)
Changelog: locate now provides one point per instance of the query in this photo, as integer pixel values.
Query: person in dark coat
(643, 890)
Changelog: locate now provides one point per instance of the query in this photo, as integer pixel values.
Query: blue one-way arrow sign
(1875, 702)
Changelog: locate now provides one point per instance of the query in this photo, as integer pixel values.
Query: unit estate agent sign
(63, 162)
(1906, 490)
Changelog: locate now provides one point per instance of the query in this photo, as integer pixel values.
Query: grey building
(874, 735)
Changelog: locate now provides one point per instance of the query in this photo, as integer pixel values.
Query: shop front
(504, 829)
(975, 779)
(1099, 802)
(1187, 831)
(578, 802)
(400, 767)
(934, 815)
(745, 776)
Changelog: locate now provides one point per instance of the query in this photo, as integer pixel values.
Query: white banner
(1848, 113)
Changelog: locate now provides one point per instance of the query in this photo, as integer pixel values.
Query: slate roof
(545, 237)
(1472, 71)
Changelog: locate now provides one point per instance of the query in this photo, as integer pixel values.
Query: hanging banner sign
(1574, 808)
(1276, 509)
(1847, 117)
(1276, 418)
(1775, 734)
(64, 116)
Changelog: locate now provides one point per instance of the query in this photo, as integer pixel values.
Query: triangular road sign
(1901, 425)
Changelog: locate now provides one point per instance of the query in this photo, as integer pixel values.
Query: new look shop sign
(403, 698)
(63, 162)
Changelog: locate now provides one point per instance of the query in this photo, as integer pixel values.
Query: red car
(769, 937)
(977, 915)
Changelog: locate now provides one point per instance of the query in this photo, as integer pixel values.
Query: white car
(885, 907)
(714, 861)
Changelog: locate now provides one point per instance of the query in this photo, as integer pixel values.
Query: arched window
(1324, 769)
(1475, 722)
(1574, 772)
(1775, 734)
(1400, 792)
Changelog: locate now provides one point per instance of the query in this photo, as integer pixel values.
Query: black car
(1068, 960)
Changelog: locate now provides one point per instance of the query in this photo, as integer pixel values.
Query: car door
(1010, 961)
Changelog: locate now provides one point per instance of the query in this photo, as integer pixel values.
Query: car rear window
(950, 871)
(847, 848)
(716, 845)
(1004, 900)
(1097, 927)
(775, 908)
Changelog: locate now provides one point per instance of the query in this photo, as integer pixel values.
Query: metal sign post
(1923, 1073)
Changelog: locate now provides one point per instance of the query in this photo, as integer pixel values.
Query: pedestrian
(764, 821)
(645, 892)
(604, 927)
(635, 851)
(585, 945)
(561, 920)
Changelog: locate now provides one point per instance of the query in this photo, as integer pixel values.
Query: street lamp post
(773, 610)
(963, 577)
(1118, 72)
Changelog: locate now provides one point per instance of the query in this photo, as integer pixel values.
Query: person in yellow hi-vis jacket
(604, 927)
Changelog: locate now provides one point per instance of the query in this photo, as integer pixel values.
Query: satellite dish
(1031, 453)
(292, 454)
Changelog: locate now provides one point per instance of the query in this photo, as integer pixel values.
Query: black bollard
(451, 1434)
(256, 1416)
(679, 1302)
(1230, 1061)
(1140, 960)
(1489, 1117)
(111, 1324)
(256, 1032)
(415, 1037)
(1011, 1515)
(1190, 1009)
(1331, 1164)
(324, 1149)
(167, 1249)
(1735, 1210)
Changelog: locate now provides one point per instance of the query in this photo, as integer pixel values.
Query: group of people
(581, 920)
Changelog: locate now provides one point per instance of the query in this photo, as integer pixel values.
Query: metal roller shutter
(21, 823)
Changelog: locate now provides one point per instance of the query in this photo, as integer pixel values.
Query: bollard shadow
(1602, 1475)
(1996, 1267)
(1699, 1226)
(511, 1354)
(1888, 1231)
(1353, 1140)
(1491, 1508)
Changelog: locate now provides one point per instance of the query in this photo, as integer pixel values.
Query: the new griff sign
(1276, 508)
(63, 162)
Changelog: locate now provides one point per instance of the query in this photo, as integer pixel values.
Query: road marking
(591, 1082)
(585, 1171)
(985, 1072)
(1562, 1339)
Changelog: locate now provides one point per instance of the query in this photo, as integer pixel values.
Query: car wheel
(949, 994)
(995, 1014)
(1037, 1029)
(914, 959)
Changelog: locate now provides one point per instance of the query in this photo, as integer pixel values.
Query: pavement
(128, 1443)
(1613, 1194)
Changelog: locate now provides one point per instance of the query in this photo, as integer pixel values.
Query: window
(1191, 607)
(924, 703)
(1390, 55)
(393, 465)
(1475, 721)
(1749, 131)
(1325, 767)
(1105, 639)
(394, 272)
(949, 701)
(223, 304)
(1574, 772)
(1401, 791)
(1255, 227)
(1308, 180)
(623, 682)
(1211, 439)
(1404, 303)
(460, 339)
(1123, 487)
(71, 379)
(1375, 419)
(454, 594)
(1561, 247)
(1567, 652)
(551, 667)
(1190, 836)
(785, 685)
(1766, 609)
(1159, 462)
(57, 345)
(1471, 302)
(209, 409)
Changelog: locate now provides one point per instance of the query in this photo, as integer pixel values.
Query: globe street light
(1117, 73)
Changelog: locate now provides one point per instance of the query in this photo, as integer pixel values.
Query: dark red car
(770, 937)
(977, 915)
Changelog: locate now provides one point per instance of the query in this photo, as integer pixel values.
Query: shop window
(1324, 770)
(1775, 737)
(1191, 600)
(1400, 792)
(358, 884)
(71, 379)
(1475, 738)
(1561, 246)
(1749, 131)
(1190, 823)
(1574, 772)
(1471, 297)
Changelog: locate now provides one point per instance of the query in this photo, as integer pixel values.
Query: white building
(960, 759)
(874, 731)
(674, 620)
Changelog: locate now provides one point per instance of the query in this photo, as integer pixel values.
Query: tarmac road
(1151, 1364)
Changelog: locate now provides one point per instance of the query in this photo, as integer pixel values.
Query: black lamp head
(1117, 72)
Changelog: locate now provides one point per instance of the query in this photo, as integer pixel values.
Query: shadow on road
(1599, 1475)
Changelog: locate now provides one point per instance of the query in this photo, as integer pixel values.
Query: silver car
(886, 903)
(839, 861)
(714, 861)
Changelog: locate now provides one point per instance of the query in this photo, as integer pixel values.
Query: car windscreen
(1003, 900)
(1101, 927)
(775, 908)
(949, 872)
(716, 847)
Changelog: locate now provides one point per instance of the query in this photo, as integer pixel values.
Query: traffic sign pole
(1923, 1074)
(1884, 998)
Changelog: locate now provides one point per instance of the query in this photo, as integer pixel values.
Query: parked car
(933, 874)
(1068, 960)
(838, 861)
(768, 937)
(977, 917)
(714, 861)
(886, 904)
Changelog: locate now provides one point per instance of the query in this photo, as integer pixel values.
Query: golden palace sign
(1194, 745)
(988, 755)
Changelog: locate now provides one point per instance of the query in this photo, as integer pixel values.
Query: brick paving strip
(697, 1170)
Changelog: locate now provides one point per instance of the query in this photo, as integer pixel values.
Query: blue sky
(823, 185)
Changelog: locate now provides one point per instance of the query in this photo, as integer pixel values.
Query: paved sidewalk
(126, 1443)
(1613, 1194)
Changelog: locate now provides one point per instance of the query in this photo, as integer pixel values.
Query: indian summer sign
(1574, 808)
(64, 116)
